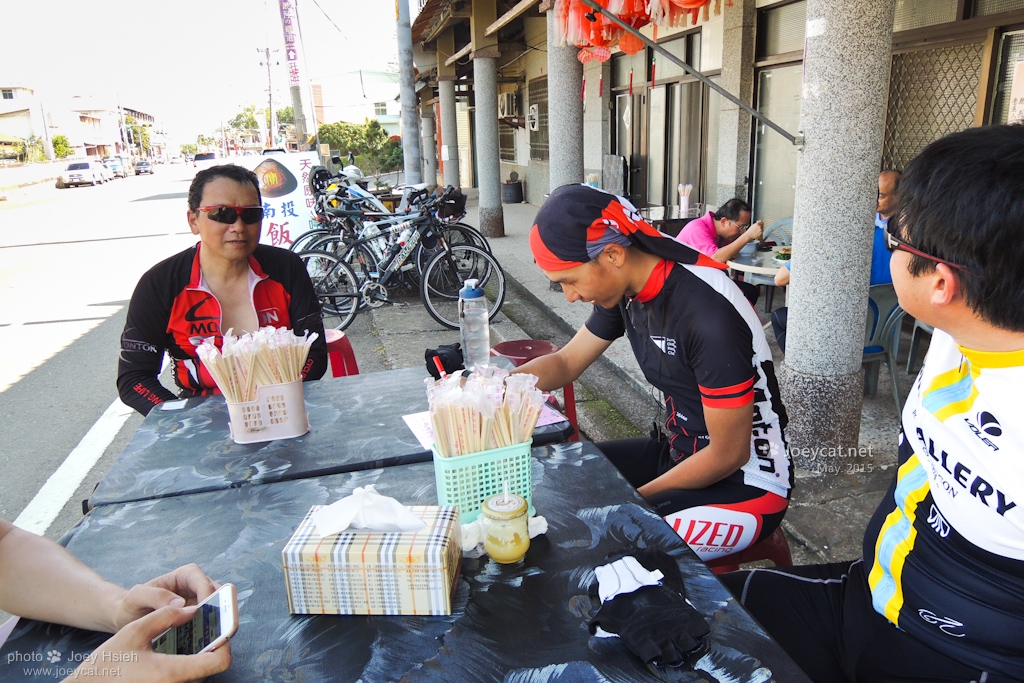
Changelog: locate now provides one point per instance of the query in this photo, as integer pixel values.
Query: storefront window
(781, 29)
(778, 98)
(918, 13)
(985, 7)
(714, 125)
(1011, 51)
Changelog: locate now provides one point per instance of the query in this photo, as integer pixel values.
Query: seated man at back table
(888, 184)
(722, 234)
(229, 281)
(722, 477)
(939, 592)
(41, 580)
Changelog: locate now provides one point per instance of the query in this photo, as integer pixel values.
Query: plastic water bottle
(476, 334)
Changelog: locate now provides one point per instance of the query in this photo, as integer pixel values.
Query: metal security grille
(782, 29)
(985, 7)
(506, 142)
(931, 93)
(539, 137)
(917, 13)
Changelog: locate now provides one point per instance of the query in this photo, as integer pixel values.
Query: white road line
(39, 514)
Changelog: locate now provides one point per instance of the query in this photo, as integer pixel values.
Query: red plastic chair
(774, 548)
(340, 354)
(522, 351)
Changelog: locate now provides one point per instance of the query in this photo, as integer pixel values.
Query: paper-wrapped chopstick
(488, 410)
(243, 363)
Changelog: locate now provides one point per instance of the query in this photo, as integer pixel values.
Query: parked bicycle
(362, 275)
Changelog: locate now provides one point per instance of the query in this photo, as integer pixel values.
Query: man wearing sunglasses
(939, 592)
(229, 281)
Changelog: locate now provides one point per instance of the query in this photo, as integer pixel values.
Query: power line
(329, 18)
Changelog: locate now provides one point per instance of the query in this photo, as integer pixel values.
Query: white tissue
(367, 510)
(624, 575)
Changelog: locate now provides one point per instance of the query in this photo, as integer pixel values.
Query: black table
(355, 423)
(513, 623)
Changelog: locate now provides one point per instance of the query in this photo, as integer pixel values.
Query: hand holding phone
(215, 621)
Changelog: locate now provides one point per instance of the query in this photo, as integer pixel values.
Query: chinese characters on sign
(1016, 111)
(287, 198)
(291, 44)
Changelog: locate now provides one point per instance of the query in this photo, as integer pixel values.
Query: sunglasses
(230, 214)
(892, 243)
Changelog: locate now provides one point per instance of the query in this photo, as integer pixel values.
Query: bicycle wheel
(448, 271)
(452, 234)
(303, 241)
(335, 286)
(361, 259)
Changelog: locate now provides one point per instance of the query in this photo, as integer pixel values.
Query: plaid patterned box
(365, 572)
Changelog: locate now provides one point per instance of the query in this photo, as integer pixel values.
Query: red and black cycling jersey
(173, 310)
(698, 340)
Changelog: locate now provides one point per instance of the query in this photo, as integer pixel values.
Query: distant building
(21, 117)
(360, 95)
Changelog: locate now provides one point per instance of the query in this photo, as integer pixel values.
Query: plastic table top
(355, 423)
(758, 263)
(522, 622)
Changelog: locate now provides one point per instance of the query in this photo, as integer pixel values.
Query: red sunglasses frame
(892, 243)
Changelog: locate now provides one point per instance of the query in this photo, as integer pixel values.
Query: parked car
(117, 167)
(177, 160)
(143, 166)
(81, 173)
(204, 160)
(274, 150)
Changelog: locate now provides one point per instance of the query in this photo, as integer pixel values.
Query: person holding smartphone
(229, 281)
(41, 580)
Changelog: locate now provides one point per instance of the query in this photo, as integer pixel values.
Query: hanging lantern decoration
(630, 44)
(601, 54)
(585, 55)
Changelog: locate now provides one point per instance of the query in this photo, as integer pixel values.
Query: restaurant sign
(287, 198)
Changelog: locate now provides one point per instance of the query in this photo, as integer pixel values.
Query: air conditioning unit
(507, 105)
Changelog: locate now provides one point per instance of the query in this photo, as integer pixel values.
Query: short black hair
(231, 171)
(962, 200)
(732, 209)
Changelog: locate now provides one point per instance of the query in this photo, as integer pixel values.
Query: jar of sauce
(506, 532)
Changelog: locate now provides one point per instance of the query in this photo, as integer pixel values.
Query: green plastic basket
(469, 480)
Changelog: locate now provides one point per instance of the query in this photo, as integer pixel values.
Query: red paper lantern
(630, 44)
(584, 55)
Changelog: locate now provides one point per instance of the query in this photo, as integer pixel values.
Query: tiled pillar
(485, 56)
(565, 111)
(738, 41)
(842, 118)
(449, 123)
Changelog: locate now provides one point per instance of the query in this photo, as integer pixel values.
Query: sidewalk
(829, 509)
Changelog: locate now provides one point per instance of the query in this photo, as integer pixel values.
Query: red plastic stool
(340, 354)
(774, 548)
(522, 351)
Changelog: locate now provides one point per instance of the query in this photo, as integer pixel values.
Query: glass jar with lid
(505, 527)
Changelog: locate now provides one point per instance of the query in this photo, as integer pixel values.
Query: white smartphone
(215, 621)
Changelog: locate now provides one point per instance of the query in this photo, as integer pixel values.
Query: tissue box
(372, 572)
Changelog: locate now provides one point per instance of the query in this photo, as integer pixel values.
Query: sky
(189, 63)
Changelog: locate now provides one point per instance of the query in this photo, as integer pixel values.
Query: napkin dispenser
(375, 572)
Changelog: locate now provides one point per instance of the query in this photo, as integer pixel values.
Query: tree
(188, 148)
(34, 149)
(205, 142)
(285, 115)
(246, 120)
(345, 137)
(61, 147)
(138, 134)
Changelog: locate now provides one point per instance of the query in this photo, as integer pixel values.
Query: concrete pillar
(843, 109)
(429, 146)
(446, 96)
(565, 111)
(485, 56)
(738, 41)
(407, 80)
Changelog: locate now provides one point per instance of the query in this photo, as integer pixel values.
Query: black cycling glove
(655, 622)
(450, 356)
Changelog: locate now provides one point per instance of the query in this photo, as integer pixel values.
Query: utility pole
(270, 98)
(292, 49)
(410, 108)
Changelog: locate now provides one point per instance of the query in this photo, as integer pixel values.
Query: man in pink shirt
(722, 234)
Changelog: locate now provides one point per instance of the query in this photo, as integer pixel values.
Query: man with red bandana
(722, 476)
